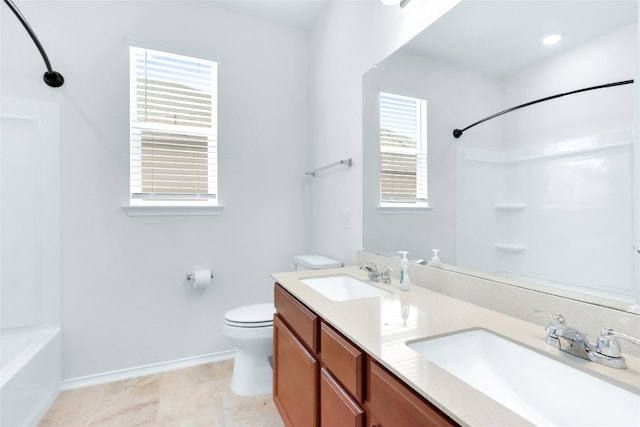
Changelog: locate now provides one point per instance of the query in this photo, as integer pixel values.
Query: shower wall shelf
(510, 206)
(510, 248)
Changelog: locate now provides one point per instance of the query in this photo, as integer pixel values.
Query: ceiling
(500, 37)
(297, 13)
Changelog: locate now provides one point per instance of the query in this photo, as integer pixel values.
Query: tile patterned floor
(192, 397)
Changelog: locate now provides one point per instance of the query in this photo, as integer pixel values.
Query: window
(403, 151)
(173, 129)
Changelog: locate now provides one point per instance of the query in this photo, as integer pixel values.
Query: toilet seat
(251, 316)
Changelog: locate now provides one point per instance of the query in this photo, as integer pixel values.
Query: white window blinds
(403, 150)
(173, 128)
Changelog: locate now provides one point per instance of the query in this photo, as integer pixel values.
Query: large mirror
(542, 196)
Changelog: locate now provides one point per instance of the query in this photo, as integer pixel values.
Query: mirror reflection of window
(403, 150)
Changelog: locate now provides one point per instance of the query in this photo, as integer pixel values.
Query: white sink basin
(536, 387)
(343, 288)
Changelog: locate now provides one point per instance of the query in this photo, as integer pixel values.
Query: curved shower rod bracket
(50, 77)
(457, 133)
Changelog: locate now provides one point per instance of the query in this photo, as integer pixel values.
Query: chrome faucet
(372, 271)
(375, 275)
(605, 351)
(385, 275)
(609, 347)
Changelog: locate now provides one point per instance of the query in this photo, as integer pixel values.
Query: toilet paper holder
(192, 276)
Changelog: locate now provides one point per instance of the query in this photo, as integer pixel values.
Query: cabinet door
(337, 408)
(295, 378)
(344, 360)
(391, 403)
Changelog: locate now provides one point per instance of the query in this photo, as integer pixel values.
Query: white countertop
(382, 325)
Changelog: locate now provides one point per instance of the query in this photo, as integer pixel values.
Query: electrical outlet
(346, 219)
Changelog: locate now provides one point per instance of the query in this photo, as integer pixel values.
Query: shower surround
(31, 339)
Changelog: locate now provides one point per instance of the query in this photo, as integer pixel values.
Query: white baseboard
(139, 371)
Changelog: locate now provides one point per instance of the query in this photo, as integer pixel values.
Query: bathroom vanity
(322, 378)
(348, 361)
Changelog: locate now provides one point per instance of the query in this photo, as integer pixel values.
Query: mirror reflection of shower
(541, 197)
(526, 212)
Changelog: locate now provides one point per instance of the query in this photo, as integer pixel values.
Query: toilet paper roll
(201, 279)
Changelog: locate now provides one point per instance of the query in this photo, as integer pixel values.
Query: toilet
(314, 262)
(250, 329)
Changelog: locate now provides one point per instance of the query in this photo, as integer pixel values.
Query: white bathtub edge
(42, 410)
(139, 371)
(28, 392)
(37, 339)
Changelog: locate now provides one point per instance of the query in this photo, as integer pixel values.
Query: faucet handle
(608, 345)
(372, 271)
(556, 318)
(557, 322)
(369, 267)
(385, 274)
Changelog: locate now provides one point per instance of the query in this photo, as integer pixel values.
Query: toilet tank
(314, 262)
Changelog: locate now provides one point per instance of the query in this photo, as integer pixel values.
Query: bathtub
(30, 374)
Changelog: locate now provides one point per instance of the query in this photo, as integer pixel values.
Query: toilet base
(252, 375)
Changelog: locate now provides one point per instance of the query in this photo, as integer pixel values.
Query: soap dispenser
(404, 271)
(435, 260)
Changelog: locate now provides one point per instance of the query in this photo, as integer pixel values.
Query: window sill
(159, 210)
(403, 210)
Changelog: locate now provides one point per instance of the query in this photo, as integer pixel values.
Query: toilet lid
(251, 316)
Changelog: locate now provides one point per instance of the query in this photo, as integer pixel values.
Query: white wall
(348, 39)
(125, 300)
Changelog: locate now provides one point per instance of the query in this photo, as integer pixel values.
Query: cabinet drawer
(337, 408)
(343, 359)
(303, 321)
(393, 404)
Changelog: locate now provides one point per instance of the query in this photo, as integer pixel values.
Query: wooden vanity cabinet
(391, 403)
(344, 360)
(321, 379)
(295, 363)
(341, 380)
(301, 319)
(337, 407)
(295, 378)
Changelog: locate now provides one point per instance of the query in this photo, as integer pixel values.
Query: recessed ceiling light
(551, 39)
(403, 3)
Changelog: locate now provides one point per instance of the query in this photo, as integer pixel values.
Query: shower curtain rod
(50, 77)
(457, 133)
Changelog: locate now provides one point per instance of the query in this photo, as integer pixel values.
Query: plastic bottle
(435, 260)
(404, 271)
